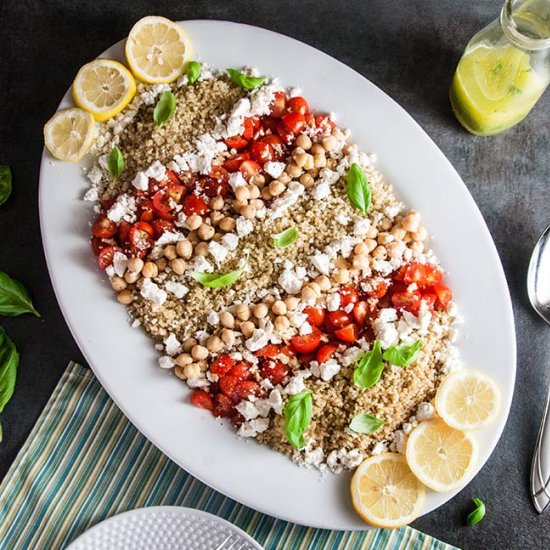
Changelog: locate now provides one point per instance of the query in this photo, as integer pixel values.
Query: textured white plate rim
(184, 510)
(336, 514)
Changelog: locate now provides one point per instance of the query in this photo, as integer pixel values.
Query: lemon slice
(441, 457)
(103, 87)
(157, 50)
(467, 400)
(69, 134)
(385, 493)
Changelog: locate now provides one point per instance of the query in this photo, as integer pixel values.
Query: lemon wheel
(69, 134)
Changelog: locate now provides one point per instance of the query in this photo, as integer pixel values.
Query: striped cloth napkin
(84, 462)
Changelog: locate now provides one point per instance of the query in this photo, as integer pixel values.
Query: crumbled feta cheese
(295, 92)
(248, 410)
(280, 205)
(290, 282)
(399, 442)
(244, 226)
(425, 411)
(124, 208)
(297, 319)
(274, 169)
(179, 290)
(296, 383)
(150, 291)
(95, 174)
(251, 428)
(342, 219)
(198, 382)
(166, 362)
(321, 263)
(333, 301)
(170, 237)
(230, 241)
(321, 191)
(218, 251)
(148, 95)
(350, 459)
(262, 98)
(305, 329)
(385, 328)
(213, 318)
(92, 195)
(379, 448)
(361, 227)
(258, 340)
(172, 345)
(306, 458)
(236, 179)
(141, 181)
(329, 369)
(200, 264)
(120, 262)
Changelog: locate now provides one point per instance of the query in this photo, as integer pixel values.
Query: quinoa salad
(279, 276)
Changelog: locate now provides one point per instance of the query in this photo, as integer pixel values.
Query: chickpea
(254, 191)
(248, 212)
(269, 300)
(130, 277)
(329, 143)
(238, 205)
(291, 302)
(324, 282)
(384, 238)
(279, 308)
(205, 232)
(309, 164)
(135, 265)
(170, 252)
(201, 249)
(199, 352)
(385, 224)
(420, 234)
(259, 180)
(284, 178)
(341, 276)
(293, 170)
(260, 311)
(192, 237)
(193, 222)
(189, 344)
(183, 359)
(281, 323)
(304, 142)
(416, 247)
(371, 244)
(337, 133)
(398, 232)
(372, 233)
(247, 328)
(150, 270)
(178, 266)
(308, 294)
(216, 218)
(307, 180)
(317, 149)
(216, 203)
(360, 262)
(184, 249)
(341, 263)
(178, 371)
(227, 224)
(118, 284)
(191, 372)
(276, 188)
(227, 320)
(161, 264)
(380, 253)
(228, 337)
(203, 365)
(242, 193)
(361, 248)
(411, 222)
(315, 287)
(214, 344)
(125, 297)
(319, 161)
(242, 311)
(395, 249)
(265, 194)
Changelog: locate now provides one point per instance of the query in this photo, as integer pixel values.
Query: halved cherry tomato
(103, 227)
(379, 289)
(223, 406)
(241, 370)
(141, 235)
(278, 106)
(160, 226)
(106, 255)
(219, 173)
(347, 334)
(123, 232)
(430, 299)
(325, 123)
(408, 300)
(325, 352)
(193, 204)
(315, 316)
(275, 371)
(233, 164)
(250, 124)
(162, 205)
(212, 187)
(145, 210)
(444, 295)
(348, 295)
(97, 245)
(173, 177)
(298, 105)
(270, 351)
(294, 122)
(360, 312)
(245, 388)
(227, 384)
(277, 146)
(262, 152)
(201, 399)
(222, 364)
(306, 343)
(285, 134)
(336, 320)
(421, 274)
(236, 142)
(249, 169)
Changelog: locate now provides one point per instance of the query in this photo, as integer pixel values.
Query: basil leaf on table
(245, 81)
(9, 361)
(218, 280)
(358, 188)
(364, 423)
(285, 238)
(297, 413)
(403, 355)
(165, 108)
(14, 299)
(115, 162)
(476, 515)
(5, 183)
(370, 367)
(194, 70)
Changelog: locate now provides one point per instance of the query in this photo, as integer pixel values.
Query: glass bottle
(504, 69)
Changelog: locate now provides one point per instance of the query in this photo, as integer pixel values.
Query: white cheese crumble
(321, 262)
(361, 227)
(200, 264)
(179, 290)
(274, 169)
(230, 241)
(296, 383)
(166, 362)
(124, 208)
(213, 318)
(425, 411)
(120, 262)
(218, 251)
(172, 345)
(248, 410)
(333, 301)
(236, 179)
(150, 291)
(385, 328)
(244, 226)
(251, 428)
(280, 205)
(289, 281)
(326, 371)
(258, 340)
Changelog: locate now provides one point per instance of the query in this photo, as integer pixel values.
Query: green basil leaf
(245, 81)
(297, 413)
(194, 70)
(358, 188)
(403, 355)
(14, 299)
(364, 423)
(5, 183)
(115, 162)
(9, 360)
(370, 367)
(477, 514)
(285, 238)
(165, 108)
(218, 280)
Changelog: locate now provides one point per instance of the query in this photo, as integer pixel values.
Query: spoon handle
(540, 467)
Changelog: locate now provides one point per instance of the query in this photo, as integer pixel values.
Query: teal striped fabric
(84, 462)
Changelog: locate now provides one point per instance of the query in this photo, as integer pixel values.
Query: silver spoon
(538, 288)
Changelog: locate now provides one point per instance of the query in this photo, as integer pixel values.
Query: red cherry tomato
(336, 320)
(160, 226)
(236, 142)
(223, 406)
(278, 107)
(212, 187)
(286, 135)
(227, 385)
(325, 352)
(222, 364)
(233, 164)
(141, 235)
(348, 296)
(315, 316)
(444, 295)
(249, 169)
(298, 105)
(241, 370)
(173, 177)
(262, 152)
(145, 210)
(325, 123)
(163, 205)
(219, 173)
(123, 232)
(103, 227)
(379, 290)
(306, 343)
(275, 371)
(250, 126)
(106, 255)
(347, 334)
(430, 298)
(194, 204)
(201, 399)
(277, 146)
(97, 245)
(360, 312)
(245, 388)
(270, 351)
(269, 124)
(294, 122)
(408, 300)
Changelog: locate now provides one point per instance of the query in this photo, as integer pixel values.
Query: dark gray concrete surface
(409, 49)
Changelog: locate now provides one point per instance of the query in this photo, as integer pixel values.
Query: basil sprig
(403, 355)
(115, 162)
(245, 81)
(14, 299)
(5, 183)
(476, 515)
(364, 423)
(358, 188)
(165, 108)
(218, 280)
(285, 238)
(297, 413)
(9, 361)
(194, 70)
(370, 367)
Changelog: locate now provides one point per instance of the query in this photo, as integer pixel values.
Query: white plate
(164, 528)
(124, 359)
